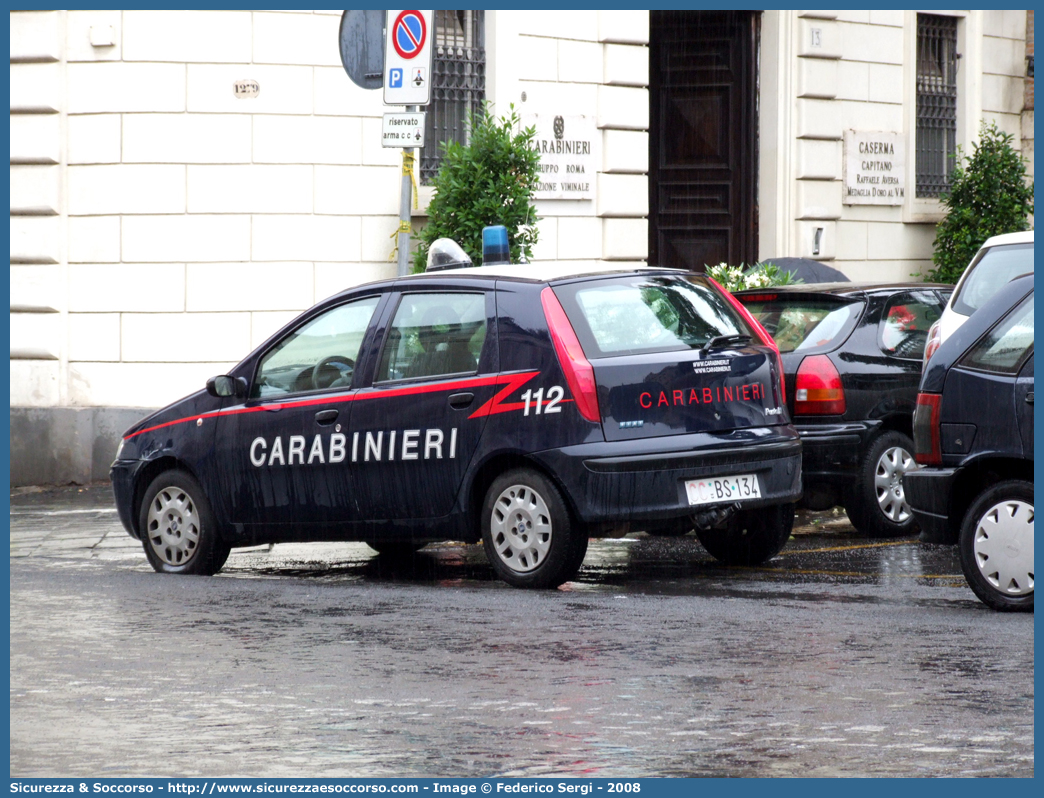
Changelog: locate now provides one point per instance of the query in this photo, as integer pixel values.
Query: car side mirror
(227, 386)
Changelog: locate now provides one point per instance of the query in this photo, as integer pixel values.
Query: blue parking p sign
(395, 78)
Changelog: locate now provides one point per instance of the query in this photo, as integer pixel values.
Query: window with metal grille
(936, 103)
(458, 85)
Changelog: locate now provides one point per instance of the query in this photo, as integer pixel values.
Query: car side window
(1005, 348)
(905, 320)
(433, 335)
(317, 356)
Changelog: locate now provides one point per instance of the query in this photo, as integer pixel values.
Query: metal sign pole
(405, 216)
(408, 54)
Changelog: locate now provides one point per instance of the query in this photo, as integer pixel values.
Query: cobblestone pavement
(840, 657)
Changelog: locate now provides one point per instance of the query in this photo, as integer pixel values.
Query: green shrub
(490, 180)
(989, 195)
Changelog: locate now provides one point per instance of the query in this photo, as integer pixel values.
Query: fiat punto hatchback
(526, 406)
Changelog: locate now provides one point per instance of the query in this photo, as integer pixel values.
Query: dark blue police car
(973, 433)
(529, 406)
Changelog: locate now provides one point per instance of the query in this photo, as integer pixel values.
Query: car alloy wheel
(876, 500)
(521, 528)
(892, 466)
(177, 527)
(528, 534)
(1003, 547)
(173, 526)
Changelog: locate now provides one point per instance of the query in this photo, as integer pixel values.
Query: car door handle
(459, 401)
(325, 417)
(1029, 398)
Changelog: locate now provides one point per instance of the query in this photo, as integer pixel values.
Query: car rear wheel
(527, 533)
(996, 546)
(877, 505)
(395, 548)
(178, 531)
(750, 537)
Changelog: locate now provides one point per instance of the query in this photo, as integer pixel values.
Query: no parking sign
(407, 57)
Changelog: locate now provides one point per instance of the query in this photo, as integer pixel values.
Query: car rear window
(997, 267)
(641, 314)
(805, 323)
(1005, 348)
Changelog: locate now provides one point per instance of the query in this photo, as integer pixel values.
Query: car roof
(539, 271)
(1024, 237)
(954, 347)
(842, 289)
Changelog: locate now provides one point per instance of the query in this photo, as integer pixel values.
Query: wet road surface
(840, 657)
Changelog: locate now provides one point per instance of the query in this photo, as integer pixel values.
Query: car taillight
(819, 390)
(762, 333)
(933, 342)
(578, 371)
(926, 430)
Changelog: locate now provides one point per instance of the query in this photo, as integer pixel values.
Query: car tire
(996, 546)
(750, 537)
(527, 533)
(220, 558)
(876, 505)
(395, 549)
(675, 528)
(178, 531)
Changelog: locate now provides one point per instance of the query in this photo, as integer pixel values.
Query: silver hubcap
(888, 483)
(521, 528)
(1004, 547)
(173, 526)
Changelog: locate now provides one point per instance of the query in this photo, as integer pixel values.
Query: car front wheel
(750, 537)
(996, 546)
(527, 533)
(178, 531)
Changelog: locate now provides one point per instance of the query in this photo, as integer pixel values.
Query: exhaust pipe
(715, 516)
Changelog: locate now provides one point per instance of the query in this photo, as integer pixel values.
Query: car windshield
(648, 314)
(804, 323)
(996, 267)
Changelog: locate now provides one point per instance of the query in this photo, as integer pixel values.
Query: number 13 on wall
(536, 400)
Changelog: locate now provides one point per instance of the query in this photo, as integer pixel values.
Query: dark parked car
(973, 432)
(527, 406)
(852, 359)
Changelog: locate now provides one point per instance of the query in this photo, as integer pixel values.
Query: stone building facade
(164, 224)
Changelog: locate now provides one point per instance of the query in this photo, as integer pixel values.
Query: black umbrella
(807, 270)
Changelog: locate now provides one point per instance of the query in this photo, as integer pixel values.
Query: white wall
(161, 227)
(172, 226)
(861, 76)
(594, 63)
